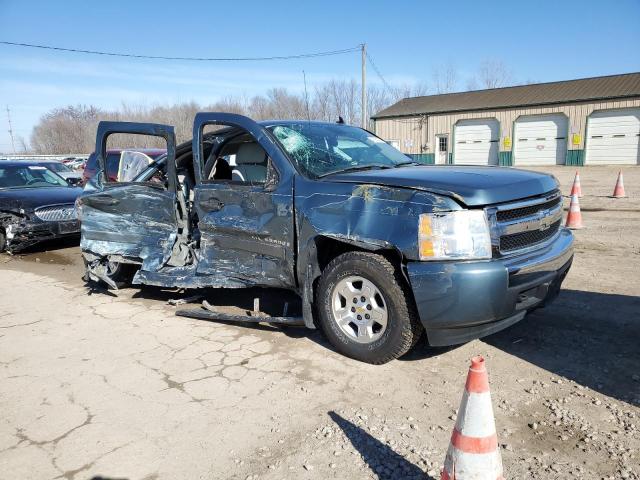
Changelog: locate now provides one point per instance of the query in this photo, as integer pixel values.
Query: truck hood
(474, 186)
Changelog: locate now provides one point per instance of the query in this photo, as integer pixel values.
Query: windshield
(58, 167)
(29, 176)
(323, 149)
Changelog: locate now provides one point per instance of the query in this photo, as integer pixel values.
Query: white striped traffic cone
(618, 191)
(473, 451)
(574, 216)
(576, 188)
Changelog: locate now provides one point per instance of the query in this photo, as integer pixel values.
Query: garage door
(477, 142)
(614, 137)
(540, 140)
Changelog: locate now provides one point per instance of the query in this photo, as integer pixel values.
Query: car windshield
(58, 167)
(29, 176)
(323, 149)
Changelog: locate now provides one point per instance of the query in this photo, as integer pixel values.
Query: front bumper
(25, 233)
(461, 301)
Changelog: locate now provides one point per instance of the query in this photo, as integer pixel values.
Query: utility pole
(364, 86)
(13, 145)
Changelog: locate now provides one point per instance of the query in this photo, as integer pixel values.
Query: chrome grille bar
(57, 213)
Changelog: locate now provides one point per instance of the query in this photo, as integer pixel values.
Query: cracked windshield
(324, 149)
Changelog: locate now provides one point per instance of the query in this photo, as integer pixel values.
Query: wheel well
(328, 248)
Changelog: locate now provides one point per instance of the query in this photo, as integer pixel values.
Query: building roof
(596, 88)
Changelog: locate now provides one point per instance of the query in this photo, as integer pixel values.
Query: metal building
(591, 121)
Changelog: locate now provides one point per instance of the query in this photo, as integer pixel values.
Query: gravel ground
(117, 386)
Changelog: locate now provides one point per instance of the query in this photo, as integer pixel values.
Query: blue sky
(408, 40)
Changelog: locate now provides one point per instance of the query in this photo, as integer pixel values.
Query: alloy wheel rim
(112, 267)
(359, 309)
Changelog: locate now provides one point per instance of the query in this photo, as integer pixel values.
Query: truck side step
(210, 312)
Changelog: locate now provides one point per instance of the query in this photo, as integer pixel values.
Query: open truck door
(243, 204)
(128, 222)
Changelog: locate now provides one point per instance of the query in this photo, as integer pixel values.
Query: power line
(375, 68)
(192, 59)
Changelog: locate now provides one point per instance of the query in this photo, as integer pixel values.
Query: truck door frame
(133, 222)
(264, 252)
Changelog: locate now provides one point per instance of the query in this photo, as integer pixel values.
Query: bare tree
(22, 144)
(493, 74)
(472, 84)
(445, 78)
(72, 129)
(66, 130)
(415, 90)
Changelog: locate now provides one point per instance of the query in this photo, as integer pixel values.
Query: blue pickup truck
(380, 249)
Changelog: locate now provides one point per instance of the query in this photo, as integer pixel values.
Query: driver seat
(251, 164)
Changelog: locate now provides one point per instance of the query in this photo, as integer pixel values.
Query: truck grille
(521, 225)
(57, 213)
(506, 215)
(526, 239)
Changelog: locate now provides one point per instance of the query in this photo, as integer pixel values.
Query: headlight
(457, 235)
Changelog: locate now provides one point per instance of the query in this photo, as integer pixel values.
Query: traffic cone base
(473, 451)
(574, 217)
(618, 191)
(576, 189)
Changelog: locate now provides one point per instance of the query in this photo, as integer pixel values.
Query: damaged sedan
(36, 204)
(380, 249)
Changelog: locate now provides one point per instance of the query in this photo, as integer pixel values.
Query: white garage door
(614, 137)
(477, 142)
(540, 140)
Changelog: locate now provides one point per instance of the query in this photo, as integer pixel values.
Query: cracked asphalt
(98, 385)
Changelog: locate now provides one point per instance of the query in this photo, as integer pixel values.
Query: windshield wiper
(357, 168)
(406, 164)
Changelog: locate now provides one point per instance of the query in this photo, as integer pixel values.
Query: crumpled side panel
(134, 221)
(371, 216)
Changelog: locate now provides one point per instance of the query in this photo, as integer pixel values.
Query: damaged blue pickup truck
(380, 249)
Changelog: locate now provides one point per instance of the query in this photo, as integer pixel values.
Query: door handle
(212, 205)
(102, 200)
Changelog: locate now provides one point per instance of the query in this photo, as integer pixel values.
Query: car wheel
(120, 273)
(3, 241)
(365, 308)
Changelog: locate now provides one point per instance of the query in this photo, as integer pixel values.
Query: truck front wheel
(365, 309)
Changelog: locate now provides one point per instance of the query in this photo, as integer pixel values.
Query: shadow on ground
(107, 478)
(588, 337)
(383, 461)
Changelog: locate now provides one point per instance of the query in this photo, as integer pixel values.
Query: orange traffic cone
(618, 191)
(574, 217)
(473, 451)
(576, 189)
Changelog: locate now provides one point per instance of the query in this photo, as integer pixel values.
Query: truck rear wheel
(120, 273)
(365, 308)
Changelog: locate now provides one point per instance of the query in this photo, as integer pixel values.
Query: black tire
(121, 273)
(3, 241)
(403, 328)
